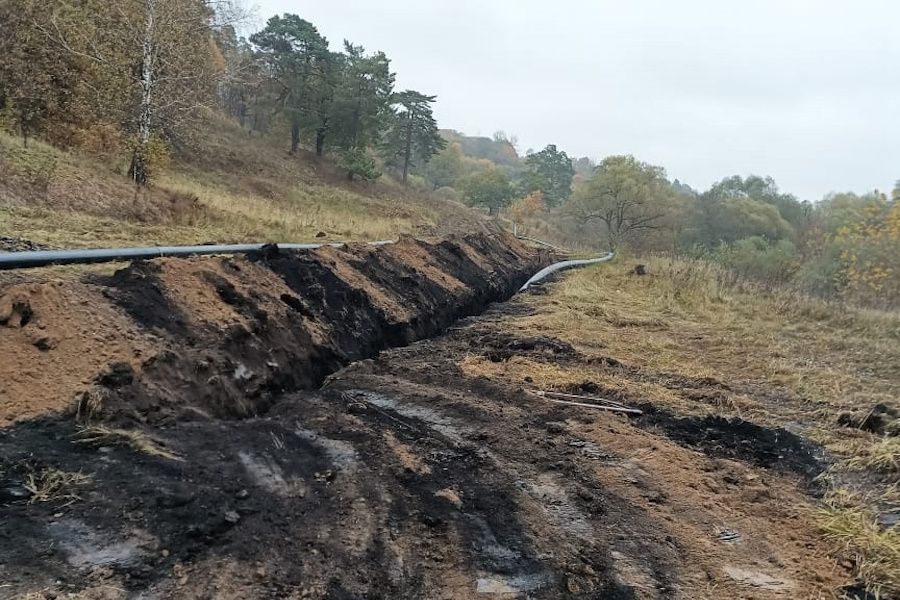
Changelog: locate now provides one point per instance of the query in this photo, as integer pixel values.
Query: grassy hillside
(239, 188)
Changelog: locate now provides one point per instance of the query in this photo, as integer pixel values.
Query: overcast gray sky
(807, 91)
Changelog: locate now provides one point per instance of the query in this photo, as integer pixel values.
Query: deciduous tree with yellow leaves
(531, 206)
(870, 249)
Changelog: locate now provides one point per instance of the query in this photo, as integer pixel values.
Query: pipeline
(43, 258)
(566, 264)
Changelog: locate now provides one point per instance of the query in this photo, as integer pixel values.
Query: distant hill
(498, 150)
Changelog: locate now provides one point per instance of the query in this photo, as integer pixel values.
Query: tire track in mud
(325, 507)
(566, 517)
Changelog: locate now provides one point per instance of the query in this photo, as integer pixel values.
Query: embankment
(174, 339)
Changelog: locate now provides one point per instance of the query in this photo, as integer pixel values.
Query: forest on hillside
(135, 81)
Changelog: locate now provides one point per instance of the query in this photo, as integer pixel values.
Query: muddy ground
(349, 471)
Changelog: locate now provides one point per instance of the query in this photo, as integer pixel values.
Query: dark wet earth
(401, 478)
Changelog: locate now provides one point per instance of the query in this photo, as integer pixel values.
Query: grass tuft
(51, 485)
(89, 404)
(874, 552)
(883, 457)
(99, 435)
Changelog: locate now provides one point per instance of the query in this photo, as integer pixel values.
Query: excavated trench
(399, 478)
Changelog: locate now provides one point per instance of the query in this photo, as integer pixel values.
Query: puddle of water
(85, 548)
(266, 473)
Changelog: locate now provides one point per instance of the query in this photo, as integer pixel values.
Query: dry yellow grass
(239, 188)
(300, 214)
(883, 456)
(874, 551)
(51, 485)
(685, 318)
(101, 435)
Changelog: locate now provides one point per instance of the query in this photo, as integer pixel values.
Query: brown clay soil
(287, 452)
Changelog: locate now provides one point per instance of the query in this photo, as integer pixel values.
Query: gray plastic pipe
(566, 264)
(43, 258)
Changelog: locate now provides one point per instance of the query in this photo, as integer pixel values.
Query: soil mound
(224, 337)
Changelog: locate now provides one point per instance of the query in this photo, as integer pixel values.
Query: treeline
(845, 245)
(136, 78)
(489, 173)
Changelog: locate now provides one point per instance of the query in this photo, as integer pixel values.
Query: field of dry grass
(771, 358)
(239, 188)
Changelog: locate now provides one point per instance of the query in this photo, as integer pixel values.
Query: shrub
(7, 118)
(448, 193)
(417, 183)
(33, 165)
(757, 258)
(358, 164)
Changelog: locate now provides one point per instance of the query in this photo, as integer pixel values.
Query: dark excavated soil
(768, 447)
(300, 317)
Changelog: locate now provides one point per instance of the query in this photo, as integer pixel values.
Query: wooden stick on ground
(576, 397)
(633, 411)
(619, 409)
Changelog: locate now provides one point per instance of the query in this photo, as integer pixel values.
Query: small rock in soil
(119, 375)
(46, 343)
(356, 408)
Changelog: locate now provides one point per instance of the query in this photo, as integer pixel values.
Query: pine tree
(413, 137)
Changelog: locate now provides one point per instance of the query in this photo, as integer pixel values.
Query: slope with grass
(230, 186)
